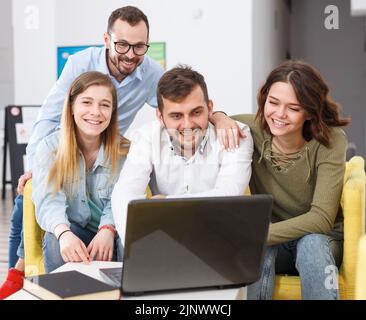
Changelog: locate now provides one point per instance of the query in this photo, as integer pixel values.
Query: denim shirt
(53, 209)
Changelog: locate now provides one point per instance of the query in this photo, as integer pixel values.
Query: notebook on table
(192, 243)
(69, 285)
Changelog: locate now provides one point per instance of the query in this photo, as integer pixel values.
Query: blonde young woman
(76, 168)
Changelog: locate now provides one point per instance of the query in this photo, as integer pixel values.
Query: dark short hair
(130, 14)
(176, 84)
(313, 95)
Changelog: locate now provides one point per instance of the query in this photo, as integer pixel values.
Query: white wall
(6, 57)
(6, 68)
(358, 7)
(34, 49)
(271, 21)
(190, 38)
(201, 33)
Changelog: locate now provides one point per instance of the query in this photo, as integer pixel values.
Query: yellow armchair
(33, 235)
(361, 270)
(353, 204)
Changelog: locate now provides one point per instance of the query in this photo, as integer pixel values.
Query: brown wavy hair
(65, 170)
(313, 95)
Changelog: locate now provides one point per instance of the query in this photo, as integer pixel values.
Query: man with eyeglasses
(123, 57)
(135, 77)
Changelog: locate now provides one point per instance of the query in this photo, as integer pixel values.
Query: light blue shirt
(53, 209)
(133, 92)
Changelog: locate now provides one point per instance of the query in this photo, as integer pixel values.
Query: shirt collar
(201, 148)
(99, 161)
(100, 158)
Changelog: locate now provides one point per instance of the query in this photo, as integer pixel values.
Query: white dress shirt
(153, 160)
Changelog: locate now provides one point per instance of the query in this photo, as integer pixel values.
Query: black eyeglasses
(123, 47)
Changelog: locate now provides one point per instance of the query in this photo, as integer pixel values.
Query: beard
(187, 140)
(124, 71)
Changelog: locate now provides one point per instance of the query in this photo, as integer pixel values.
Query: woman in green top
(299, 158)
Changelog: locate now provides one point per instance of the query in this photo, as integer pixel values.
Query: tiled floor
(6, 207)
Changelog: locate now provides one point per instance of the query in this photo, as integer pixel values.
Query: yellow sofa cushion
(33, 235)
(361, 270)
(353, 204)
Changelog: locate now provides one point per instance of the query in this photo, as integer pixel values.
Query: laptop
(192, 243)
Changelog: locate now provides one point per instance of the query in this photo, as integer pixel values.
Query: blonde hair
(65, 170)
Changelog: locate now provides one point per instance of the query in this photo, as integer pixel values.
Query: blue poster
(63, 54)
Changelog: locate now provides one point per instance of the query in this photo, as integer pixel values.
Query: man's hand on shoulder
(228, 131)
(22, 181)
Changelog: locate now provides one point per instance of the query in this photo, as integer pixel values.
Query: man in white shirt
(180, 154)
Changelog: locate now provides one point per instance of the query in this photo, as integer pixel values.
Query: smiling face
(122, 65)
(92, 111)
(187, 120)
(283, 113)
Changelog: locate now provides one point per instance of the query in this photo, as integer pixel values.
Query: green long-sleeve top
(306, 192)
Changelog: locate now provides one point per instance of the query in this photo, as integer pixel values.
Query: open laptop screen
(176, 244)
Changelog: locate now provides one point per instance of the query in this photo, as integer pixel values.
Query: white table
(92, 270)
